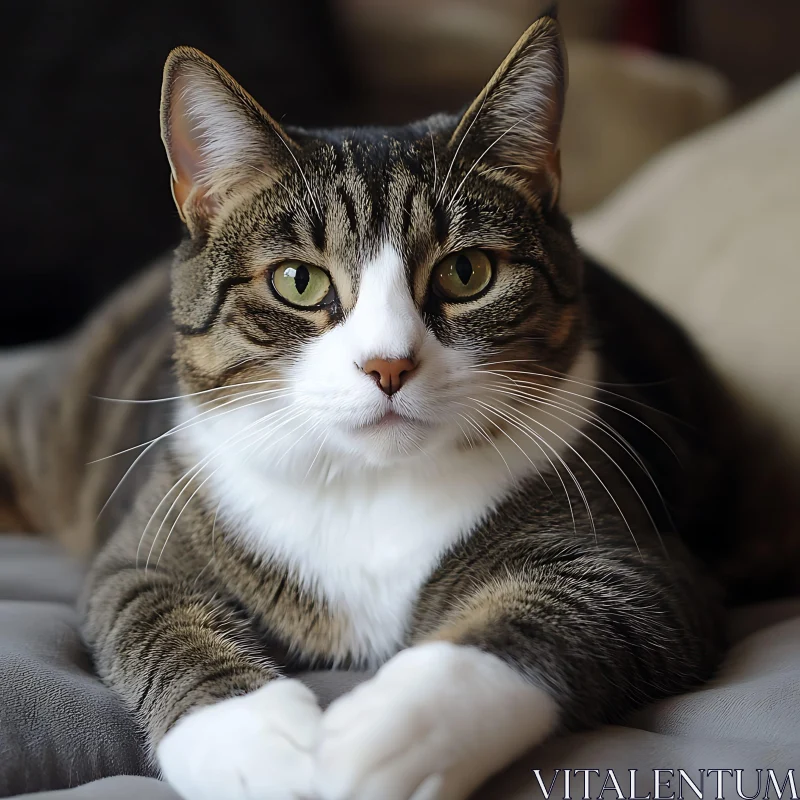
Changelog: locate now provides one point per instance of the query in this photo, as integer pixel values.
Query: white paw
(256, 747)
(435, 722)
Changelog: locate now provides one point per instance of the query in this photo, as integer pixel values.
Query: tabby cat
(394, 419)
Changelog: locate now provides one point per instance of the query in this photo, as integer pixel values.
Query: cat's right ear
(216, 135)
(515, 122)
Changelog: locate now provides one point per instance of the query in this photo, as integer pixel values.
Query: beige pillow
(623, 105)
(711, 230)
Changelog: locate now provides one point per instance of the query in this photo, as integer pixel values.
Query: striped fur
(571, 581)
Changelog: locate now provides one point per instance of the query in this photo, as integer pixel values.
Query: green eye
(302, 284)
(462, 275)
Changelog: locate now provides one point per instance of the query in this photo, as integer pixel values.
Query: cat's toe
(256, 747)
(434, 723)
(381, 741)
(375, 761)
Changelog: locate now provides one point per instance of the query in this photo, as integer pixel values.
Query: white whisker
(616, 464)
(579, 412)
(213, 546)
(525, 455)
(176, 429)
(468, 439)
(435, 167)
(480, 157)
(539, 441)
(590, 468)
(596, 385)
(574, 409)
(316, 456)
(197, 470)
(190, 475)
(186, 396)
(197, 419)
(297, 441)
(455, 155)
(556, 388)
(302, 175)
(487, 437)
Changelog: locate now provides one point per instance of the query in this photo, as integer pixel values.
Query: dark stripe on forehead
(376, 189)
(284, 227)
(222, 293)
(370, 162)
(441, 220)
(349, 207)
(318, 231)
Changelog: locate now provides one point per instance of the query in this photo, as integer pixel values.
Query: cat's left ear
(515, 122)
(217, 137)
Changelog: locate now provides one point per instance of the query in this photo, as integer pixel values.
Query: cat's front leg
(221, 721)
(435, 722)
(566, 634)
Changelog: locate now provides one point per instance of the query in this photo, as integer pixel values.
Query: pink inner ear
(184, 142)
(186, 160)
(212, 131)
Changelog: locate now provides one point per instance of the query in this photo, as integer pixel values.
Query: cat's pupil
(464, 269)
(301, 278)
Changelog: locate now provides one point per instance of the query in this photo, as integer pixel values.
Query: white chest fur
(366, 540)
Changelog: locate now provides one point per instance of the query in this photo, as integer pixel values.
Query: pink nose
(391, 374)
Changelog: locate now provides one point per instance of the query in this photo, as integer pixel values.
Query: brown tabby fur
(603, 621)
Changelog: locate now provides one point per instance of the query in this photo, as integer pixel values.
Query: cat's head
(371, 293)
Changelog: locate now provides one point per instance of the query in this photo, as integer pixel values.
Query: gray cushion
(121, 788)
(60, 727)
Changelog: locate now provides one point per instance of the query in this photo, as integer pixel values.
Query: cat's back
(53, 424)
(715, 465)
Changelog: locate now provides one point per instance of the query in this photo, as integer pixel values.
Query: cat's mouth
(390, 420)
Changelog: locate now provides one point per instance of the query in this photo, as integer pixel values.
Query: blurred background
(85, 197)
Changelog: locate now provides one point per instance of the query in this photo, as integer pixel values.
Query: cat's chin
(389, 440)
(392, 425)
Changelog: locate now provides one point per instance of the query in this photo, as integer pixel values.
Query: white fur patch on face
(436, 721)
(260, 745)
(386, 324)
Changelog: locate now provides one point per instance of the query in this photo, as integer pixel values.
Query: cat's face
(381, 285)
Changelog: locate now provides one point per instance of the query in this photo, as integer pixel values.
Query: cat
(384, 413)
